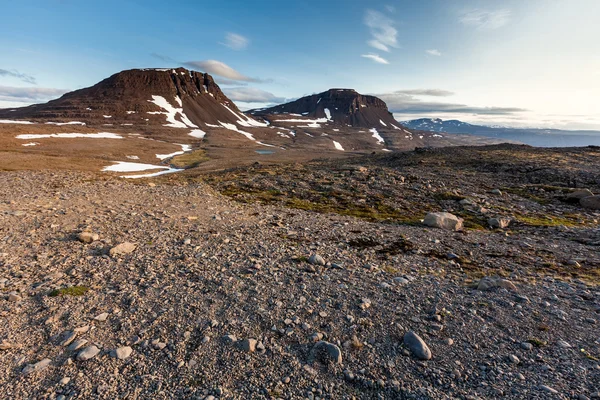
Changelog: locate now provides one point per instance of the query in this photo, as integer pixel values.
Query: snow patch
(171, 113)
(377, 136)
(327, 114)
(99, 135)
(382, 123)
(184, 148)
(130, 112)
(30, 144)
(10, 121)
(338, 146)
(125, 166)
(246, 121)
(107, 116)
(65, 123)
(197, 133)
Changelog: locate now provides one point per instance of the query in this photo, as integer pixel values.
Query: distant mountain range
(531, 136)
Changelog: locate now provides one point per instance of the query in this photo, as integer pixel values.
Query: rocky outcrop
(341, 106)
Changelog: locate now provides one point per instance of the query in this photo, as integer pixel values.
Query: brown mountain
(129, 96)
(339, 106)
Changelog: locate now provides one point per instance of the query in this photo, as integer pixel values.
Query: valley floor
(217, 295)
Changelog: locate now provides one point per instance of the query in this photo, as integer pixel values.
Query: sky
(533, 63)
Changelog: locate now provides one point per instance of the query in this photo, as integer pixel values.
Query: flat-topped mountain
(188, 97)
(339, 106)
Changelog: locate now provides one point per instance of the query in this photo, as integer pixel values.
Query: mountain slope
(188, 98)
(337, 106)
(531, 136)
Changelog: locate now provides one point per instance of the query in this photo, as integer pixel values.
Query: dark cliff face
(127, 94)
(345, 106)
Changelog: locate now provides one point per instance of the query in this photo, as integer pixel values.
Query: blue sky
(532, 63)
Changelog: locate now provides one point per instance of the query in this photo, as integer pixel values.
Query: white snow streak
(337, 146)
(99, 135)
(377, 136)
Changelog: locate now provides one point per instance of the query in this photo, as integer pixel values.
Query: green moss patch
(69, 291)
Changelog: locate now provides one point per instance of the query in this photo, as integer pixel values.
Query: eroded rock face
(126, 97)
(342, 106)
(443, 220)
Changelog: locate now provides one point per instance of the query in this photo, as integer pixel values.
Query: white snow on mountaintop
(184, 148)
(65, 123)
(328, 114)
(171, 112)
(10, 121)
(377, 136)
(337, 145)
(99, 135)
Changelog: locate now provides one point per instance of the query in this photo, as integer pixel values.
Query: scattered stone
(38, 366)
(248, 345)
(76, 345)
(491, 282)
(497, 192)
(123, 353)
(4, 345)
(101, 317)
(513, 359)
(591, 202)
(325, 352)
(64, 381)
(579, 194)
(316, 259)
(122, 249)
(548, 389)
(417, 346)
(229, 339)
(88, 237)
(88, 353)
(499, 223)
(14, 297)
(526, 346)
(443, 220)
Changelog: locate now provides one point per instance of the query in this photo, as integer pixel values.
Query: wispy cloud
(434, 52)
(19, 75)
(383, 34)
(424, 92)
(252, 95)
(29, 94)
(486, 19)
(407, 102)
(223, 70)
(235, 41)
(162, 57)
(376, 57)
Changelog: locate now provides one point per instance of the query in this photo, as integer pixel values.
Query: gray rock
(123, 353)
(325, 352)
(101, 317)
(491, 282)
(316, 259)
(248, 345)
(579, 194)
(38, 366)
(121, 249)
(497, 192)
(76, 345)
(14, 297)
(526, 346)
(548, 389)
(499, 223)
(417, 346)
(88, 237)
(229, 339)
(513, 359)
(591, 202)
(443, 220)
(88, 353)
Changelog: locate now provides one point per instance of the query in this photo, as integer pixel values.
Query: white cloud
(433, 52)
(252, 95)
(19, 75)
(29, 94)
(382, 30)
(376, 58)
(221, 69)
(235, 41)
(485, 19)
